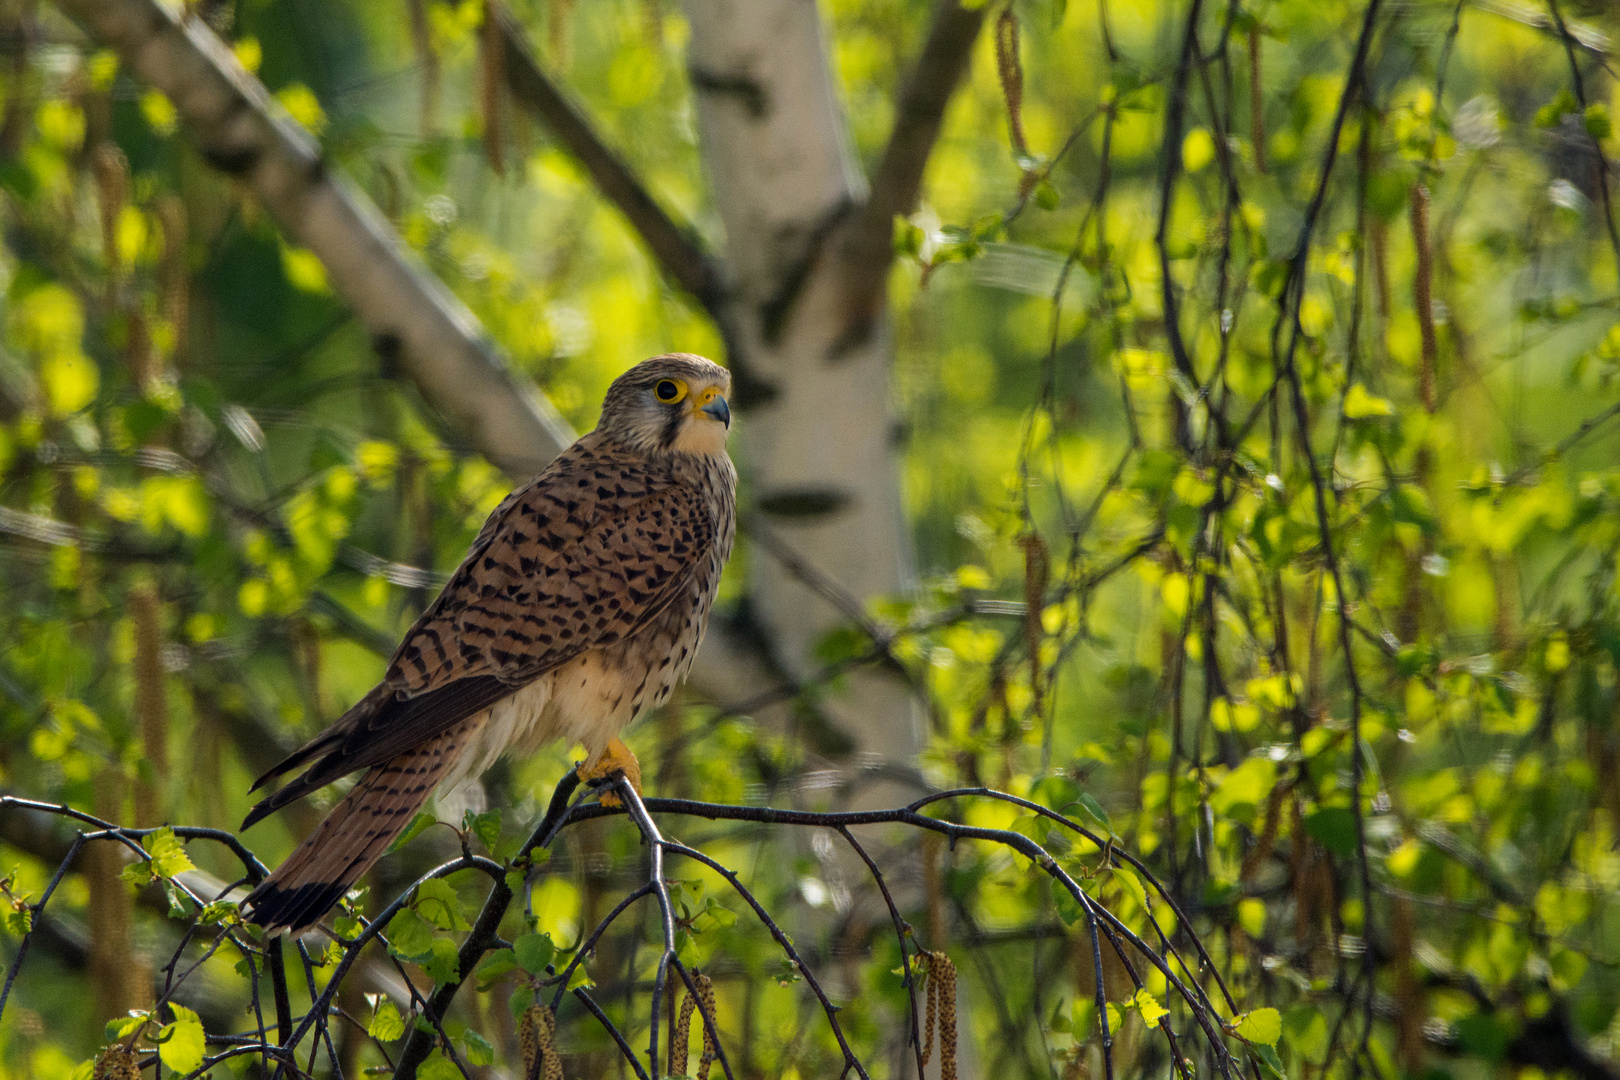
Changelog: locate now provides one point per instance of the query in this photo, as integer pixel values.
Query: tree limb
(868, 246)
(414, 321)
(679, 250)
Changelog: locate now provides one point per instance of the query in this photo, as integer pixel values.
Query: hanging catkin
(110, 908)
(492, 74)
(682, 1033)
(940, 1017)
(117, 1062)
(151, 704)
(1423, 295)
(537, 1038)
(112, 191)
(1036, 567)
(1010, 67)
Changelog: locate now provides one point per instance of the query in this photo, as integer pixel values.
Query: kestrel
(579, 606)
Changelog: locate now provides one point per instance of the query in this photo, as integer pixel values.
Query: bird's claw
(614, 758)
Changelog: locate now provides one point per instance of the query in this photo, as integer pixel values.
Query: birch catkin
(537, 1038)
(1036, 567)
(1423, 294)
(117, 1062)
(491, 76)
(112, 191)
(151, 704)
(110, 908)
(940, 1018)
(682, 1033)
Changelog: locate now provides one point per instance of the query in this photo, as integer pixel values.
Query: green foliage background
(1429, 845)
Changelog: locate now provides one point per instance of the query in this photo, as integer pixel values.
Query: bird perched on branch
(579, 606)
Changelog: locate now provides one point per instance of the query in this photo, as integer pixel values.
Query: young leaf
(1262, 1026)
(168, 853)
(438, 1067)
(386, 1023)
(1149, 1007)
(182, 1044)
(533, 952)
(1091, 806)
(485, 826)
(479, 1052)
(1068, 908)
(442, 962)
(438, 903)
(409, 934)
(412, 831)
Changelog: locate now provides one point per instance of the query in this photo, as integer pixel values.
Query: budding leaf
(386, 1023)
(1262, 1026)
(168, 853)
(182, 1044)
(1148, 1005)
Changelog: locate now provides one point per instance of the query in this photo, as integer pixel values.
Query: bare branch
(920, 112)
(679, 250)
(414, 321)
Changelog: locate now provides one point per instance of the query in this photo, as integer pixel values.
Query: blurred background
(1306, 583)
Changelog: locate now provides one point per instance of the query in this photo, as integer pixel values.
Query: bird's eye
(669, 391)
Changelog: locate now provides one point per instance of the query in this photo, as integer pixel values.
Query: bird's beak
(719, 410)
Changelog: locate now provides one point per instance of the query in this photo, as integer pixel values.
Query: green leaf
(409, 935)
(442, 962)
(138, 874)
(1068, 908)
(438, 903)
(686, 949)
(1597, 121)
(168, 853)
(479, 1052)
(1270, 1062)
(120, 1027)
(413, 830)
(182, 1044)
(1132, 884)
(19, 921)
(438, 1067)
(1149, 1007)
(533, 952)
(1262, 1026)
(386, 1023)
(485, 826)
(1359, 404)
(1094, 808)
(495, 965)
(1335, 828)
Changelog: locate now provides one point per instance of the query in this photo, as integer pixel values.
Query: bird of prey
(580, 605)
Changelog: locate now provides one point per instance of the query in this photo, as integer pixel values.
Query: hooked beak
(719, 410)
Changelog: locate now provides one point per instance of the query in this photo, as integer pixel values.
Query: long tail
(353, 836)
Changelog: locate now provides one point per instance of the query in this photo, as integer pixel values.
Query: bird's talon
(615, 759)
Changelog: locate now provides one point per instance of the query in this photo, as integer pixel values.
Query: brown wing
(583, 557)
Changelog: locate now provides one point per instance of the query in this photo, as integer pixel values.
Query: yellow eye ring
(669, 391)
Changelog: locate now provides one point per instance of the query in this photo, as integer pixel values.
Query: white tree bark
(818, 437)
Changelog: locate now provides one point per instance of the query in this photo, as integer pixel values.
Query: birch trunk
(817, 434)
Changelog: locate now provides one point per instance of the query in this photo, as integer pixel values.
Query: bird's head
(673, 402)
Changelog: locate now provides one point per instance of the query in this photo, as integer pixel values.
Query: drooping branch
(413, 320)
(919, 113)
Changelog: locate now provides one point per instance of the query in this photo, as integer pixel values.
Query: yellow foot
(615, 757)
